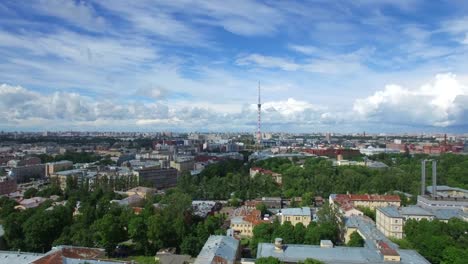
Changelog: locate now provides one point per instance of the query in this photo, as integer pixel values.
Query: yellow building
(390, 220)
(296, 215)
(54, 167)
(244, 225)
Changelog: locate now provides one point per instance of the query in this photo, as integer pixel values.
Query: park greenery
(99, 223)
(75, 157)
(318, 176)
(89, 219)
(437, 241)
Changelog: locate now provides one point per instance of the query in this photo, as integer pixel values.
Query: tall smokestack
(434, 178)
(423, 177)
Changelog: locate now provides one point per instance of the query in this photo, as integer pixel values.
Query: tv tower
(259, 106)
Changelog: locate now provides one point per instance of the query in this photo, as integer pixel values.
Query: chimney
(434, 178)
(423, 177)
(279, 244)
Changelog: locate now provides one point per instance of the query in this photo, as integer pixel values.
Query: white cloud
(268, 62)
(323, 62)
(246, 17)
(77, 13)
(308, 50)
(440, 103)
(22, 107)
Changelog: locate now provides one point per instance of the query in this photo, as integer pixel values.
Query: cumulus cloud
(19, 105)
(440, 103)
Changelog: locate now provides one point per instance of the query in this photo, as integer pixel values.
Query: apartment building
(244, 225)
(159, 178)
(61, 177)
(25, 173)
(7, 185)
(296, 215)
(348, 202)
(391, 220)
(183, 165)
(53, 167)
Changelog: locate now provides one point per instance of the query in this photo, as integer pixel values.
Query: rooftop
(415, 210)
(391, 211)
(69, 172)
(302, 211)
(338, 255)
(445, 188)
(218, 246)
(367, 197)
(13, 257)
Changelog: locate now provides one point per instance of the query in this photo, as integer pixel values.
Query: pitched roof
(218, 246)
(60, 254)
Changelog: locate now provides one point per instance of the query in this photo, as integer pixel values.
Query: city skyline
(392, 66)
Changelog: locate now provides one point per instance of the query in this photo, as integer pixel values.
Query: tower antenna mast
(259, 107)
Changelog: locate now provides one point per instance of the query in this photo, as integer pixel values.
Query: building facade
(244, 225)
(391, 220)
(296, 215)
(7, 185)
(25, 173)
(159, 178)
(63, 178)
(53, 167)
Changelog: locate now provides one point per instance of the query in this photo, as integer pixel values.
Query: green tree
(355, 240)
(137, 231)
(299, 233)
(108, 232)
(31, 192)
(312, 261)
(262, 208)
(453, 255)
(268, 260)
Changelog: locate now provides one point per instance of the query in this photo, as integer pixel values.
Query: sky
(390, 66)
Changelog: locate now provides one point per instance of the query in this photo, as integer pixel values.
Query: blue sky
(344, 66)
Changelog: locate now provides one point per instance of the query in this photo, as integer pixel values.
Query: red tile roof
(55, 257)
(386, 250)
(254, 217)
(262, 171)
(367, 197)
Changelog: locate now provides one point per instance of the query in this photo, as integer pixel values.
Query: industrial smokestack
(434, 178)
(423, 177)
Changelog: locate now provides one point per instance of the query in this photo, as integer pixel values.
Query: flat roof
(14, 257)
(302, 211)
(445, 188)
(340, 255)
(69, 172)
(415, 210)
(390, 211)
